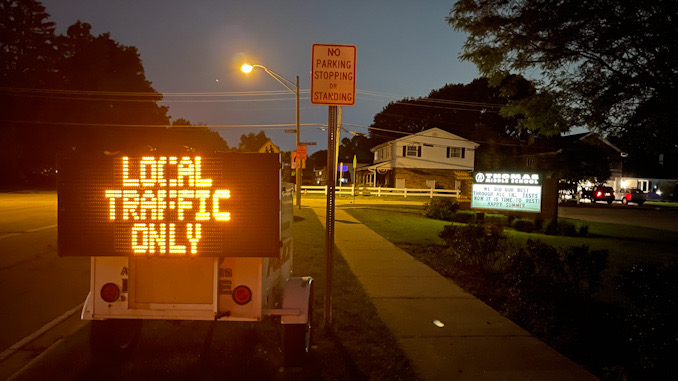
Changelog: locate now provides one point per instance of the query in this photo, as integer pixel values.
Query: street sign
(301, 152)
(333, 75)
(292, 131)
(297, 163)
(307, 143)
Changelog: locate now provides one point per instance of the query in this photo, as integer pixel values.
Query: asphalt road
(646, 216)
(37, 285)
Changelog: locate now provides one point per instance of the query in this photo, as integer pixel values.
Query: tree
(469, 110)
(106, 94)
(26, 56)
(59, 93)
(357, 146)
(608, 66)
(26, 49)
(252, 142)
(195, 137)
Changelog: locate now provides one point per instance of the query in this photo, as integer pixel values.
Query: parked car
(631, 195)
(599, 193)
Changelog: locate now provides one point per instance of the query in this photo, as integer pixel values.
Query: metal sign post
(329, 223)
(332, 84)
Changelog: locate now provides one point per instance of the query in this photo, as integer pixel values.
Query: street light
(246, 68)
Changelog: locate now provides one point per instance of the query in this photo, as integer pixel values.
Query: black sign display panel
(169, 205)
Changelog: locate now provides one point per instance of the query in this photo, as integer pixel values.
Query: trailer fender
(297, 295)
(87, 308)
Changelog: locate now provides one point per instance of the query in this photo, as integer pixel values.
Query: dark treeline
(75, 92)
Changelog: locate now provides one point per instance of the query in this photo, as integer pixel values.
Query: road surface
(646, 216)
(37, 285)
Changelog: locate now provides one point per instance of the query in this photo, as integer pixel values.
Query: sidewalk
(446, 332)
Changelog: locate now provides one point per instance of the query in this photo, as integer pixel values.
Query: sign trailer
(182, 236)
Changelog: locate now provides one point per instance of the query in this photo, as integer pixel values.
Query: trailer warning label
(333, 75)
(169, 205)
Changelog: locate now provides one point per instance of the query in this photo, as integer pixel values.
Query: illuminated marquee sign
(169, 205)
(507, 191)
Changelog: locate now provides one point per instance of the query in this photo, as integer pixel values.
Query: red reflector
(110, 292)
(242, 295)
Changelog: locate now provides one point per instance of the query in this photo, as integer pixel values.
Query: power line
(279, 125)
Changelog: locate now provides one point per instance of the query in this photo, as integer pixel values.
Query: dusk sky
(192, 52)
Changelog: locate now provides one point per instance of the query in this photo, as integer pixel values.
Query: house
(543, 154)
(431, 158)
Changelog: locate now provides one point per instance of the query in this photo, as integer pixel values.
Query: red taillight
(599, 194)
(242, 295)
(110, 292)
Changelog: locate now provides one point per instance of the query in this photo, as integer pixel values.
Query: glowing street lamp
(246, 68)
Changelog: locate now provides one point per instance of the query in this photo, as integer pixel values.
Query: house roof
(434, 132)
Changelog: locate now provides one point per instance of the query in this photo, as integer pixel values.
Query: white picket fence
(381, 191)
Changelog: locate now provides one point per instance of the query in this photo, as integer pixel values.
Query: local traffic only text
(163, 203)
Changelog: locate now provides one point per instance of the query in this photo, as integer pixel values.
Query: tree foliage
(609, 66)
(252, 142)
(74, 91)
(468, 110)
(471, 111)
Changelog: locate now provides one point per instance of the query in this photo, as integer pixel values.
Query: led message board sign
(172, 205)
(507, 191)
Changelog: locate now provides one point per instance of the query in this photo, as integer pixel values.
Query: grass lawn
(400, 223)
(359, 346)
(627, 244)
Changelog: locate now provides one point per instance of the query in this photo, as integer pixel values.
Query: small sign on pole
(301, 152)
(298, 163)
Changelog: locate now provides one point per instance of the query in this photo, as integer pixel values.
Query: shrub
(559, 227)
(440, 209)
(652, 323)
(523, 225)
(476, 246)
(543, 281)
(496, 219)
(465, 216)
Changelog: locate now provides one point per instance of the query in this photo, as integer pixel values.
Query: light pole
(285, 82)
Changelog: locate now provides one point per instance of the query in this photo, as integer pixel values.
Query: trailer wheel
(115, 337)
(296, 339)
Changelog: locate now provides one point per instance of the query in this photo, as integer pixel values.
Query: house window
(456, 152)
(412, 151)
